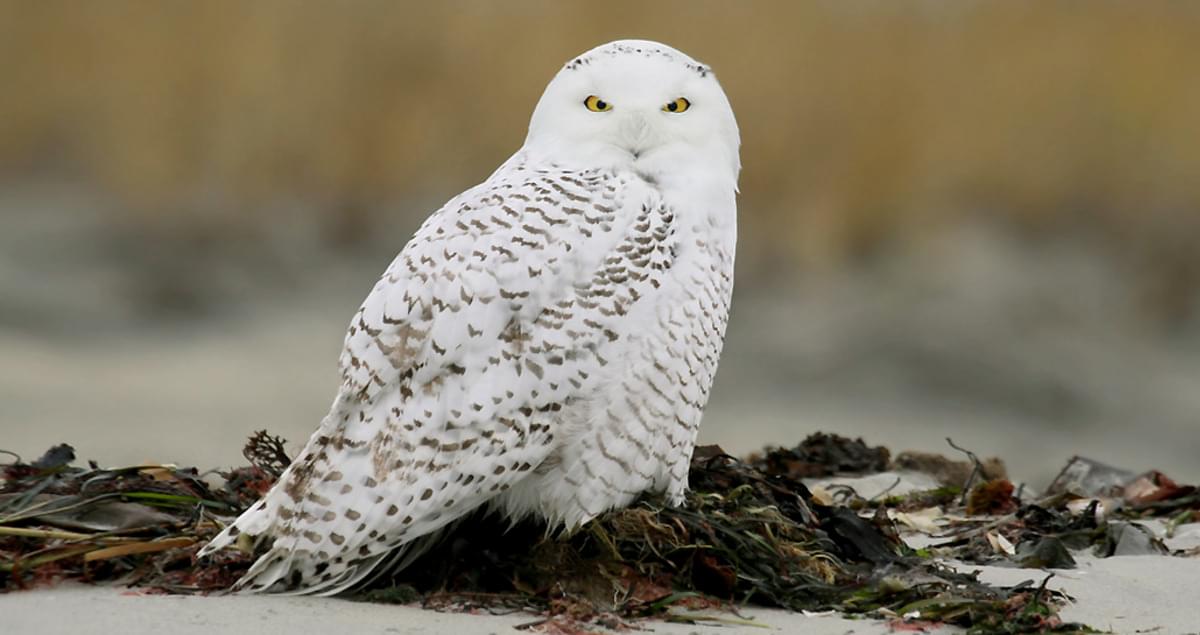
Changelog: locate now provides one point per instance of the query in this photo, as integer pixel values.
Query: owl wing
(503, 308)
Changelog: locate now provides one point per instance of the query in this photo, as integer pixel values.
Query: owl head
(640, 104)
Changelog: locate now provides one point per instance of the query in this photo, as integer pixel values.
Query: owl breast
(636, 431)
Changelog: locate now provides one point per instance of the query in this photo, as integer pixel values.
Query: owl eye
(679, 105)
(595, 104)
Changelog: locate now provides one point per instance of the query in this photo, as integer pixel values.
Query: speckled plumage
(545, 343)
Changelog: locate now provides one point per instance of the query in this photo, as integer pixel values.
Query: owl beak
(636, 133)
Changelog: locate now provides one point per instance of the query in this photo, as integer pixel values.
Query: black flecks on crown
(648, 52)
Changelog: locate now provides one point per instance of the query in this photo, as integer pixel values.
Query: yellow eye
(595, 104)
(679, 105)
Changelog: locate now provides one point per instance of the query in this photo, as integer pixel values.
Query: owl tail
(284, 570)
(322, 531)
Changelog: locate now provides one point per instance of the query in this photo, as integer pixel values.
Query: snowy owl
(543, 346)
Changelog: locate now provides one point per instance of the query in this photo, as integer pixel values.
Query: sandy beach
(1124, 594)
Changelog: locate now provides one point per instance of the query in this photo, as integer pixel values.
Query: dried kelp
(745, 536)
(139, 525)
(822, 455)
(750, 533)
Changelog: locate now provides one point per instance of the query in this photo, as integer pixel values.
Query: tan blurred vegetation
(964, 218)
(861, 121)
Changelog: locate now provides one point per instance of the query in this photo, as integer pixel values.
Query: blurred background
(969, 219)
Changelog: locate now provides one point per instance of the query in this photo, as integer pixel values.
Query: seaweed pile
(750, 533)
(138, 525)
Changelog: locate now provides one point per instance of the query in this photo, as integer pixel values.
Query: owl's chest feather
(676, 329)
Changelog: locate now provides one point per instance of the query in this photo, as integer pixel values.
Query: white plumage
(545, 343)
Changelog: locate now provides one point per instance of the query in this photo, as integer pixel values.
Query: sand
(84, 611)
(1125, 594)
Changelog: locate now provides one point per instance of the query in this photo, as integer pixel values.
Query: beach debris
(1155, 487)
(948, 471)
(822, 454)
(993, 497)
(1000, 544)
(137, 524)
(1047, 552)
(751, 532)
(930, 520)
(1086, 477)
(81, 513)
(267, 453)
(1130, 539)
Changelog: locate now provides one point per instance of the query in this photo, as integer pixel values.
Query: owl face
(636, 103)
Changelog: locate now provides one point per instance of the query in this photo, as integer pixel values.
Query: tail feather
(367, 494)
(322, 545)
(280, 572)
(284, 570)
